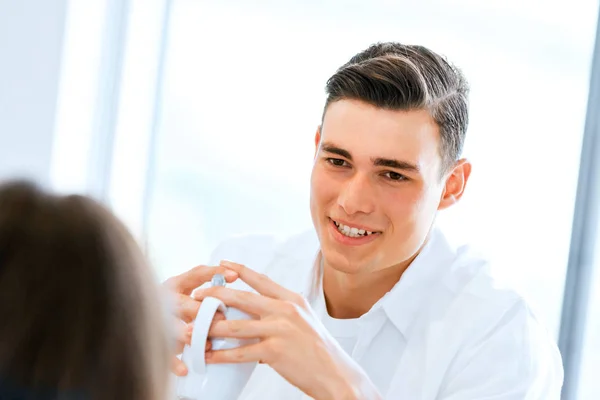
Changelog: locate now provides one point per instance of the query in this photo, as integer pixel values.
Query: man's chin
(342, 262)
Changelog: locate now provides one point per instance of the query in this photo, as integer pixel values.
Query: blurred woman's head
(80, 311)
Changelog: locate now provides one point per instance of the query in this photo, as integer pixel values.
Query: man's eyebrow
(333, 149)
(396, 164)
(378, 162)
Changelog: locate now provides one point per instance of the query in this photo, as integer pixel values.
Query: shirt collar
(403, 302)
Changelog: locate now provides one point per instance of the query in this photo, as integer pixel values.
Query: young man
(376, 303)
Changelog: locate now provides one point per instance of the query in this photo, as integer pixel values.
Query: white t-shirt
(345, 331)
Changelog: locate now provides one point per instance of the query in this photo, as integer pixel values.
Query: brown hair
(404, 77)
(80, 311)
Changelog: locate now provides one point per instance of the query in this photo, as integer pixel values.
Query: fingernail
(197, 294)
(230, 274)
(181, 370)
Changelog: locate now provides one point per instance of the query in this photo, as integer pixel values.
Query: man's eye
(337, 162)
(394, 176)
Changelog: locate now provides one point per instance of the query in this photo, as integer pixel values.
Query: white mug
(213, 381)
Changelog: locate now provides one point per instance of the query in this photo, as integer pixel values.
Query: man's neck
(350, 296)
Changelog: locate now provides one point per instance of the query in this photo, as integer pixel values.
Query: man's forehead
(349, 123)
(380, 145)
(361, 112)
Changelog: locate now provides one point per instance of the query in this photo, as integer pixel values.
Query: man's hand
(186, 308)
(292, 339)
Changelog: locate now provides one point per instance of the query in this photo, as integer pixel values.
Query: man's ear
(317, 140)
(456, 183)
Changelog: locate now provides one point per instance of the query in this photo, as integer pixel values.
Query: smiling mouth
(352, 232)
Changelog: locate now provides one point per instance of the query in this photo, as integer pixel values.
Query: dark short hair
(395, 76)
(79, 307)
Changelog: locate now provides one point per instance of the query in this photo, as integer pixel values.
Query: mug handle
(206, 313)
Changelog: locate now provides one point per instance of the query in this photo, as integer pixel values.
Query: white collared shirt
(448, 330)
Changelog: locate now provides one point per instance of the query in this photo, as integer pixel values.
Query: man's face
(376, 185)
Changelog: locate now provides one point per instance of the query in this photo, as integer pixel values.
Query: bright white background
(205, 129)
(31, 41)
(243, 94)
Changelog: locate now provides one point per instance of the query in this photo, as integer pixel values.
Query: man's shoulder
(477, 296)
(491, 327)
(467, 285)
(486, 323)
(258, 250)
(463, 269)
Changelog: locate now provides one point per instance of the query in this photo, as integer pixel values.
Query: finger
(186, 308)
(218, 317)
(184, 332)
(183, 335)
(184, 338)
(178, 367)
(260, 282)
(188, 281)
(244, 329)
(248, 302)
(256, 352)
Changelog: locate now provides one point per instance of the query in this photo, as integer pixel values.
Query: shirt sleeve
(515, 360)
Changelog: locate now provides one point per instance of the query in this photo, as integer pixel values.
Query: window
(588, 387)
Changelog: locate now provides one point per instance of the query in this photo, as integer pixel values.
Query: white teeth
(350, 231)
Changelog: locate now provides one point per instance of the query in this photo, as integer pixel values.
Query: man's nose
(357, 195)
